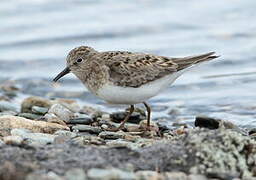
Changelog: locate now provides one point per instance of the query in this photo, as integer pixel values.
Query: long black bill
(61, 74)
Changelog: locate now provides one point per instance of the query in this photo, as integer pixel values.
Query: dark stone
(163, 128)
(118, 117)
(222, 176)
(87, 128)
(85, 121)
(207, 122)
(252, 131)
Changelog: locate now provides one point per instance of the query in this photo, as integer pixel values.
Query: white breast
(128, 95)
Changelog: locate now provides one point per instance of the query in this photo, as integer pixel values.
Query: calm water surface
(36, 36)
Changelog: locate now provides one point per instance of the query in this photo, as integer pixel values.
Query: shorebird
(122, 77)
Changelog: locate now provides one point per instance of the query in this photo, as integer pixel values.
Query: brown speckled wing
(135, 69)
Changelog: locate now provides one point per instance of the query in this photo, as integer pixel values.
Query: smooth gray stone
(7, 106)
(87, 128)
(39, 110)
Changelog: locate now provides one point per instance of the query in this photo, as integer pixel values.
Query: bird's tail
(191, 60)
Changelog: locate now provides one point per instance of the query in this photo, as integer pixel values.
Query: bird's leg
(126, 118)
(148, 114)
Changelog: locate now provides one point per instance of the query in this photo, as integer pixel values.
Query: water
(36, 36)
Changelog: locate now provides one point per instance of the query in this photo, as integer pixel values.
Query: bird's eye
(79, 60)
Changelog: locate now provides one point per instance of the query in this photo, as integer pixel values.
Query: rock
(87, 128)
(13, 140)
(107, 124)
(81, 119)
(39, 110)
(176, 175)
(197, 177)
(252, 131)
(145, 175)
(121, 143)
(111, 135)
(8, 113)
(110, 174)
(87, 140)
(132, 127)
(38, 139)
(75, 174)
(207, 122)
(212, 123)
(49, 176)
(29, 116)
(52, 118)
(7, 106)
(12, 122)
(118, 117)
(61, 139)
(118, 143)
(91, 111)
(162, 127)
(106, 117)
(28, 103)
(65, 133)
(62, 112)
(68, 103)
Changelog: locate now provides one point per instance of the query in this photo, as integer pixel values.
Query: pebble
(33, 138)
(13, 140)
(110, 174)
(145, 175)
(52, 118)
(89, 139)
(11, 122)
(207, 122)
(75, 174)
(65, 133)
(62, 112)
(81, 119)
(87, 128)
(252, 131)
(197, 177)
(39, 110)
(118, 117)
(119, 143)
(176, 175)
(212, 123)
(49, 176)
(162, 127)
(111, 135)
(29, 116)
(93, 112)
(61, 139)
(7, 106)
(68, 103)
(132, 127)
(8, 113)
(28, 103)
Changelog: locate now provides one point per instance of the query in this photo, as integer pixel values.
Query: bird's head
(76, 61)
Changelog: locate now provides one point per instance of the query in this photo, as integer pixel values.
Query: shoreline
(60, 139)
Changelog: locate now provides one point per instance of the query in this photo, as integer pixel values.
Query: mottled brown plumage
(124, 77)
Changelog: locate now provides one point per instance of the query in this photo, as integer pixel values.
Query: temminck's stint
(122, 77)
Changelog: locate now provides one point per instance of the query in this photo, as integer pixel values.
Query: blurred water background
(36, 35)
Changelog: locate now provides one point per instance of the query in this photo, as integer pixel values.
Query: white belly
(128, 95)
